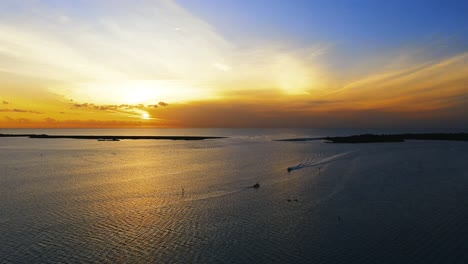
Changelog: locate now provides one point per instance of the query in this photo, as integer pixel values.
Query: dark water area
(66, 200)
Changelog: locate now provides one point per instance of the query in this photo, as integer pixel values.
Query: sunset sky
(234, 63)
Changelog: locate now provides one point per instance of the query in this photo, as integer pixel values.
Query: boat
(256, 186)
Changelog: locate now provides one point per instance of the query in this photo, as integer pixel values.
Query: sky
(233, 63)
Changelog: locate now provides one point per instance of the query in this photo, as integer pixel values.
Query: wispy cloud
(123, 61)
(149, 48)
(428, 86)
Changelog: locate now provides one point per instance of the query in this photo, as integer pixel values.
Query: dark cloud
(19, 111)
(121, 107)
(84, 105)
(97, 107)
(323, 102)
(91, 123)
(106, 107)
(17, 120)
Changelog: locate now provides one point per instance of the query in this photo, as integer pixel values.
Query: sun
(145, 116)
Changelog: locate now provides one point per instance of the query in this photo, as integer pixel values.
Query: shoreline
(363, 138)
(387, 138)
(109, 138)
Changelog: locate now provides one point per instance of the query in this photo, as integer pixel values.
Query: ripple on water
(381, 204)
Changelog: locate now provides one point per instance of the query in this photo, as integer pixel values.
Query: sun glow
(146, 116)
(137, 92)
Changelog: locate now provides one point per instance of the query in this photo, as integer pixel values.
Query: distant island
(109, 138)
(364, 138)
(371, 138)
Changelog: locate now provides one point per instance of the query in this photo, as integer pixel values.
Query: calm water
(143, 201)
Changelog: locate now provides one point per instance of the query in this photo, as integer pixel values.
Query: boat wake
(217, 194)
(313, 161)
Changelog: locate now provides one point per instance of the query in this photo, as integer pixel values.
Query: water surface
(65, 200)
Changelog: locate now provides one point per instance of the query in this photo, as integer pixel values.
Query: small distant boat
(256, 186)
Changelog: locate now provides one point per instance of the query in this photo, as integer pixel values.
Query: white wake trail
(312, 162)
